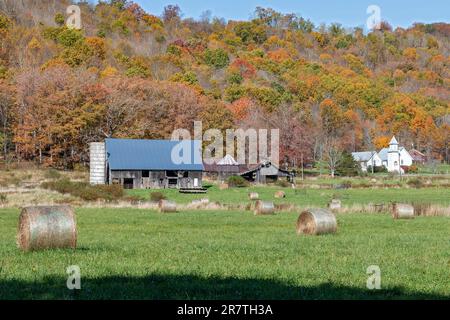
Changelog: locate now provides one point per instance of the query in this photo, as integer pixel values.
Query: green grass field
(311, 197)
(139, 254)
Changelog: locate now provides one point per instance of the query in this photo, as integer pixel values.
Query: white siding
(406, 158)
(375, 161)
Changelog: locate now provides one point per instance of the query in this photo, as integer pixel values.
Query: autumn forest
(128, 73)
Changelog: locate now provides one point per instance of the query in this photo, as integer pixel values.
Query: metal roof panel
(130, 154)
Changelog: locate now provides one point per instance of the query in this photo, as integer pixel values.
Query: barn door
(128, 183)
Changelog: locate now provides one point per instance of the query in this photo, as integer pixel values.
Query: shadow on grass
(191, 287)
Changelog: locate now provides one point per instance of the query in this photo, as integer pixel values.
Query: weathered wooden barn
(147, 164)
(224, 169)
(267, 172)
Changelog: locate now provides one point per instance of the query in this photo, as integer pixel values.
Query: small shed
(417, 156)
(267, 172)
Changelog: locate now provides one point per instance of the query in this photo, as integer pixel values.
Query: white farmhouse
(367, 159)
(395, 157)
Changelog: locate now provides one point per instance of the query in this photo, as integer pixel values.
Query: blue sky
(350, 13)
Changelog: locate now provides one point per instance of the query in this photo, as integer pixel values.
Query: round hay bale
(224, 186)
(316, 222)
(47, 227)
(166, 206)
(253, 196)
(280, 195)
(402, 211)
(335, 204)
(264, 208)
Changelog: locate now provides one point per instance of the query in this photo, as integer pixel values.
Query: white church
(393, 158)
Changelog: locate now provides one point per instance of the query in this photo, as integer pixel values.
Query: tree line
(129, 73)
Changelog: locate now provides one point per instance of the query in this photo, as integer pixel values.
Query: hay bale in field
(47, 227)
(253, 196)
(224, 186)
(335, 204)
(280, 195)
(166, 206)
(402, 211)
(316, 222)
(264, 208)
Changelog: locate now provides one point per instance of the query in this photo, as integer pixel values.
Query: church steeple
(393, 145)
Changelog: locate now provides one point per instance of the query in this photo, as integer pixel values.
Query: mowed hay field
(310, 197)
(141, 254)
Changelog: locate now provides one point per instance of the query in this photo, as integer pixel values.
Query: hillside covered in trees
(130, 73)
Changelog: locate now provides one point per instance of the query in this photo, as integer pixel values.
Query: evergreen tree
(347, 167)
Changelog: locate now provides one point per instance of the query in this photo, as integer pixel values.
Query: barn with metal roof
(147, 164)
